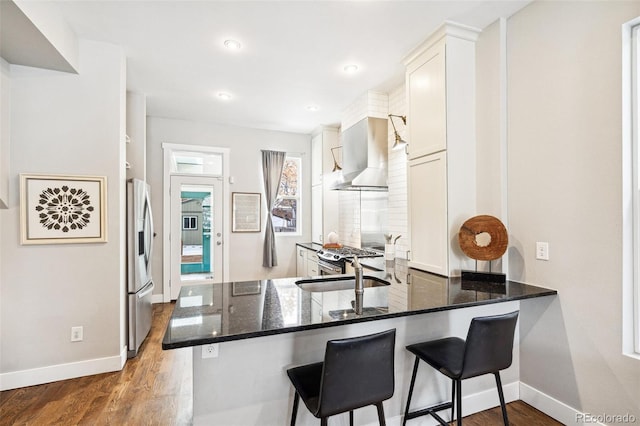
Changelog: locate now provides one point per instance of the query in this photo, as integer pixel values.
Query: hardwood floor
(155, 388)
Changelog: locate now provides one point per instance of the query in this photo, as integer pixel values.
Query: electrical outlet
(210, 351)
(76, 334)
(542, 251)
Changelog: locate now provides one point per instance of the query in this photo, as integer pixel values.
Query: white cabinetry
(324, 201)
(306, 262)
(301, 261)
(312, 264)
(427, 103)
(440, 83)
(428, 213)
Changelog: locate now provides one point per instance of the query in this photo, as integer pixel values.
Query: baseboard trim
(54, 373)
(157, 298)
(471, 404)
(123, 356)
(552, 407)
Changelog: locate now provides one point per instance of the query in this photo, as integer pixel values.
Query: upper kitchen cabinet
(324, 201)
(441, 173)
(440, 81)
(136, 136)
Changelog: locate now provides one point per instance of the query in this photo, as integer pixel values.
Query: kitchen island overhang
(216, 313)
(270, 325)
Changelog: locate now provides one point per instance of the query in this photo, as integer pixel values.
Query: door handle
(147, 291)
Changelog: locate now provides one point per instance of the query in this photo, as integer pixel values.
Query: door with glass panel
(196, 231)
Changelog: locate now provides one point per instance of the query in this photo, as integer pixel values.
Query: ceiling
(292, 54)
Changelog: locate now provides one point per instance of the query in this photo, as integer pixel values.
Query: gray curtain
(272, 164)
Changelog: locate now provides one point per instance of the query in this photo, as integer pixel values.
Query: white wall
(65, 124)
(565, 183)
(245, 261)
(5, 131)
(491, 176)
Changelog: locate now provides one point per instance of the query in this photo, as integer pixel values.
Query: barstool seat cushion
(445, 355)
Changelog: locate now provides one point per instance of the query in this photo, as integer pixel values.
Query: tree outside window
(286, 208)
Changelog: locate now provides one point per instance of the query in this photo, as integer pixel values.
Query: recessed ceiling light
(224, 96)
(350, 68)
(232, 44)
(312, 108)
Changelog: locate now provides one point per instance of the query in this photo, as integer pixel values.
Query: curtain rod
(301, 154)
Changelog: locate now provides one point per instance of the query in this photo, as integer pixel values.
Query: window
(189, 223)
(286, 208)
(631, 188)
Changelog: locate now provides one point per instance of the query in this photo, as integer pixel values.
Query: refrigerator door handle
(150, 231)
(149, 288)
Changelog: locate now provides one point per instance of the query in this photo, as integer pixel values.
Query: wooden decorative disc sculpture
(483, 237)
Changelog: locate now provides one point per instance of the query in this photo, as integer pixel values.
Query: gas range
(342, 253)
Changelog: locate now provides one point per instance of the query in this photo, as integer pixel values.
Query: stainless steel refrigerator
(139, 254)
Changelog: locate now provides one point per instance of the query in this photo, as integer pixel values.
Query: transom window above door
(196, 163)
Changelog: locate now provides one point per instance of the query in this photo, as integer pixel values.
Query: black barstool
(356, 372)
(488, 349)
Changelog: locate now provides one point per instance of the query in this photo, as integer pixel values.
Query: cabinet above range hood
(364, 156)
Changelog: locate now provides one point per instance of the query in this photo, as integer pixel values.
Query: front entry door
(196, 231)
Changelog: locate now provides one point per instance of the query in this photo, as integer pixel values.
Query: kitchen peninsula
(270, 325)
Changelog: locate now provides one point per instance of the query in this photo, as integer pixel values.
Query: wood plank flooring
(155, 388)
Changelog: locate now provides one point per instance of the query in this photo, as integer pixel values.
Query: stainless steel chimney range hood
(364, 156)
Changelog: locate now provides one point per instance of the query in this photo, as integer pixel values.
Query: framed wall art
(246, 212)
(59, 209)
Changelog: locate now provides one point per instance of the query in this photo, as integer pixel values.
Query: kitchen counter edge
(541, 292)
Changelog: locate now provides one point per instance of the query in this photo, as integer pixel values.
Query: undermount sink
(336, 284)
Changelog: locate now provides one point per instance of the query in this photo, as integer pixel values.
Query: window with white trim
(189, 223)
(286, 209)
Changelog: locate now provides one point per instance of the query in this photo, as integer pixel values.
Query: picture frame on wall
(62, 209)
(246, 212)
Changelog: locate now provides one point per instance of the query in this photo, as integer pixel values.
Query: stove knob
(336, 257)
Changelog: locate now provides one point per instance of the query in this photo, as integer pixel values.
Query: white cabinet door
(317, 212)
(312, 264)
(427, 103)
(428, 213)
(301, 261)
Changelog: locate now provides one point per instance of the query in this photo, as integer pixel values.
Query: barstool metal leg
(294, 412)
(413, 381)
(453, 397)
(323, 421)
(381, 414)
(351, 418)
(501, 395)
(459, 400)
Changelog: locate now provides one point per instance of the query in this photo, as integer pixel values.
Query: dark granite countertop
(215, 313)
(310, 246)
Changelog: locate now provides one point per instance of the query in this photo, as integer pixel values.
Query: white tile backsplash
(369, 104)
(377, 104)
(397, 178)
